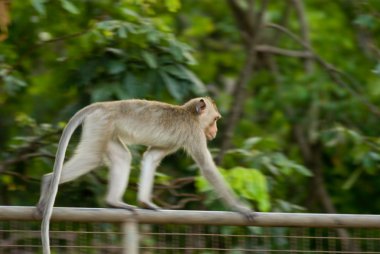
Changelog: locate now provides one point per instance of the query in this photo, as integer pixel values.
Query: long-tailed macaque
(108, 129)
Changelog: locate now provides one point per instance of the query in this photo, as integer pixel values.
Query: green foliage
(141, 57)
(365, 20)
(264, 155)
(248, 183)
(261, 153)
(11, 83)
(149, 5)
(349, 146)
(173, 5)
(62, 55)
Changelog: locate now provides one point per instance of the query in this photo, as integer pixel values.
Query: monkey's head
(208, 115)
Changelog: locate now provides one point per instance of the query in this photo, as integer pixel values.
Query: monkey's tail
(68, 131)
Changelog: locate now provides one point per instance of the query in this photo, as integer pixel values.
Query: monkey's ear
(200, 106)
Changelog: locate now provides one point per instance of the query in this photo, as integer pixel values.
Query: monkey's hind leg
(45, 184)
(119, 163)
(81, 163)
(151, 159)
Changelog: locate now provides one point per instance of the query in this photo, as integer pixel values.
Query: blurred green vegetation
(308, 138)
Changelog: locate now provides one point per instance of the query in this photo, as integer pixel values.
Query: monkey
(108, 128)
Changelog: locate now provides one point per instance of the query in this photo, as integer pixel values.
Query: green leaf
(267, 144)
(190, 60)
(161, 178)
(250, 142)
(198, 86)
(352, 179)
(175, 71)
(172, 85)
(302, 170)
(122, 32)
(251, 184)
(131, 85)
(130, 12)
(173, 5)
(150, 59)
(116, 51)
(115, 67)
(101, 93)
(370, 162)
(202, 185)
(176, 50)
(355, 137)
(287, 165)
(134, 87)
(154, 37)
(365, 20)
(12, 84)
(241, 151)
(246, 182)
(7, 180)
(87, 72)
(267, 162)
(201, 26)
(120, 93)
(39, 6)
(288, 207)
(376, 70)
(69, 6)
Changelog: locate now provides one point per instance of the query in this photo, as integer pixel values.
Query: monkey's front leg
(204, 159)
(151, 159)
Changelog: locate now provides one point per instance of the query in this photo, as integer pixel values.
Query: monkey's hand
(245, 211)
(149, 205)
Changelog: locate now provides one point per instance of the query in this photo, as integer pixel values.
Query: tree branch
(172, 188)
(311, 153)
(63, 38)
(239, 92)
(300, 10)
(30, 150)
(284, 22)
(333, 72)
(284, 52)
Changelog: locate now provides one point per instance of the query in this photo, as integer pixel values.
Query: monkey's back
(150, 123)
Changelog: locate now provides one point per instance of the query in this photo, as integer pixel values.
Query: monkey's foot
(246, 212)
(39, 211)
(250, 216)
(149, 205)
(121, 205)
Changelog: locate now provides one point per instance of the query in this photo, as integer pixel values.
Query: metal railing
(93, 230)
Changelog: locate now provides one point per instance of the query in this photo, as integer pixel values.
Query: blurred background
(297, 83)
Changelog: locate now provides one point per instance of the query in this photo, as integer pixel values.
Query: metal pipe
(130, 236)
(195, 217)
